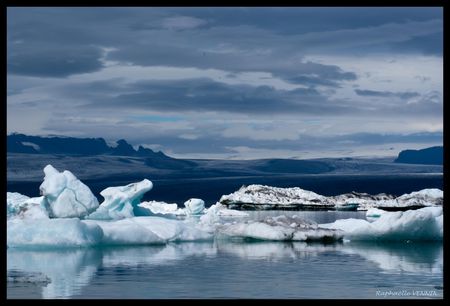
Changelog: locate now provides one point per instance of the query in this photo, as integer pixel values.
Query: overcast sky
(230, 82)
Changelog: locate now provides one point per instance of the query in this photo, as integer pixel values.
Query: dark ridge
(20, 143)
(427, 156)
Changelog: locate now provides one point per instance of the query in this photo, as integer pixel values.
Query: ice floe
(421, 224)
(263, 197)
(281, 228)
(61, 232)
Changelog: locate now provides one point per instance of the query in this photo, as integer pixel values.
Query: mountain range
(20, 143)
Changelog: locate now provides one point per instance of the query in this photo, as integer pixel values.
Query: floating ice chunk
(65, 195)
(279, 228)
(35, 209)
(422, 224)
(126, 232)
(267, 197)
(217, 213)
(374, 213)
(162, 208)
(121, 201)
(14, 203)
(52, 233)
(231, 213)
(426, 197)
(149, 230)
(21, 206)
(194, 206)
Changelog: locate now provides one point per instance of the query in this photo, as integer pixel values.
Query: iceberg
(160, 208)
(281, 228)
(149, 230)
(421, 224)
(21, 206)
(121, 201)
(261, 197)
(63, 232)
(194, 206)
(14, 203)
(218, 214)
(65, 196)
(374, 213)
(266, 197)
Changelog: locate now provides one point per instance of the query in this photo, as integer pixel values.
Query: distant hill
(20, 143)
(428, 156)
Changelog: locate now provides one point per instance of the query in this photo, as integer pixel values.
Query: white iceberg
(121, 201)
(66, 196)
(374, 213)
(63, 232)
(422, 224)
(160, 208)
(280, 228)
(424, 197)
(218, 214)
(149, 230)
(14, 203)
(267, 197)
(194, 206)
(21, 206)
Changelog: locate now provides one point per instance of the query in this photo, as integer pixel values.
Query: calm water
(224, 269)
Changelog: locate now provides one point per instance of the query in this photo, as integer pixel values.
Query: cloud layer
(230, 82)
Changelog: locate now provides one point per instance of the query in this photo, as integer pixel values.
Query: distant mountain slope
(428, 156)
(20, 143)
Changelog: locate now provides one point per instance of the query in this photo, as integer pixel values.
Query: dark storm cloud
(54, 62)
(314, 19)
(387, 94)
(68, 40)
(206, 95)
(312, 74)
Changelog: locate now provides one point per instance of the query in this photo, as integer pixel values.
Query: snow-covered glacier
(68, 215)
(261, 197)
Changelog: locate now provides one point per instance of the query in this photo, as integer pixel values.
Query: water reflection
(401, 257)
(68, 270)
(72, 270)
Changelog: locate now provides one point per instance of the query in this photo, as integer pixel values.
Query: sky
(234, 83)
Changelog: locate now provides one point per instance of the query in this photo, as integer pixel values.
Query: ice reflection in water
(81, 272)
